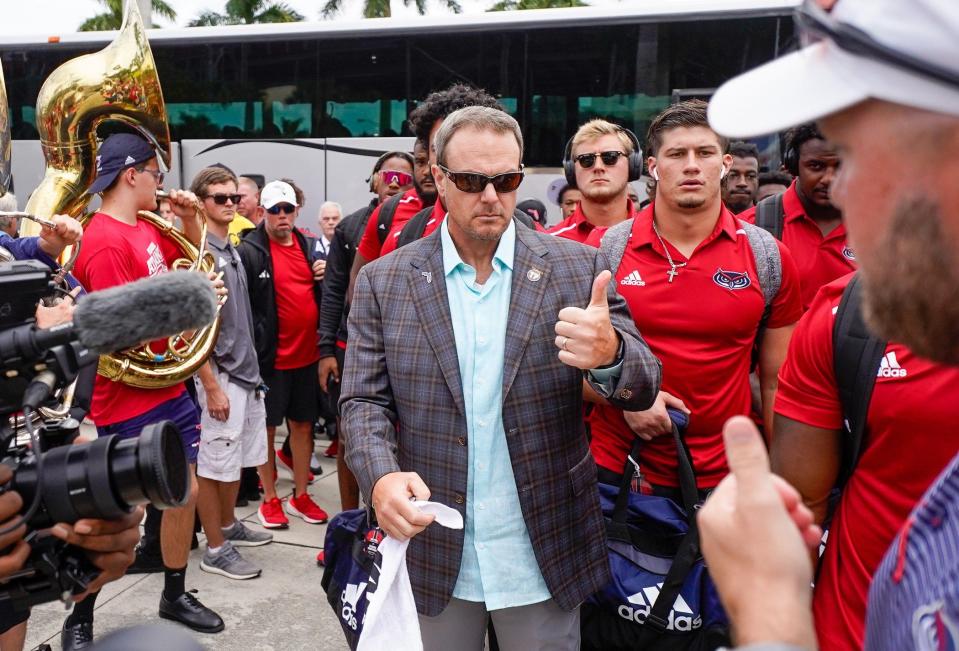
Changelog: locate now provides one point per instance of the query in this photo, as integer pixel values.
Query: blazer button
(458, 499)
(461, 440)
(626, 394)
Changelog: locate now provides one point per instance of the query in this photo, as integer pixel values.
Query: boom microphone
(151, 308)
(121, 317)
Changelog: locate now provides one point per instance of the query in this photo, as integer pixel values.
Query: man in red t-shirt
(119, 247)
(812, 227)
(911, 395)
(600, 153)
(690, 278)
(285, 299)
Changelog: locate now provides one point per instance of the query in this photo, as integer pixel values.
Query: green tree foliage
(247, 12)
(381, 8)
(112, 18)
(511, 5)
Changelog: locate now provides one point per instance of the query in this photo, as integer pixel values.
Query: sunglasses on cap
(609, 158)
(815, 23)
(399, 178)
(282, 207)
(220, 199)
(474, 182)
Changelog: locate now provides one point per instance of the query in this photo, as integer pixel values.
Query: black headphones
(635, 159)
(791, 157)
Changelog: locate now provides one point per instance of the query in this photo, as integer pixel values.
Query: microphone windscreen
(151, 308)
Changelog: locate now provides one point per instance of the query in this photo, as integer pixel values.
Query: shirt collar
(451, 257)
(217, 243)
(792, 206)
(644, 235)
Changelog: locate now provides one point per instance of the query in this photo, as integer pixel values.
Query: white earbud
(655, 174)
(722, 173)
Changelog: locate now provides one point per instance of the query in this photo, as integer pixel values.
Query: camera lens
(107, 477)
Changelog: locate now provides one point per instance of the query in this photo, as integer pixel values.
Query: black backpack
(770, 215)
(414, 228)
(857, 354)
(384, 220)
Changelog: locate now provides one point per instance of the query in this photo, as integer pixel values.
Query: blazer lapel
(531, 275)
(428, 290)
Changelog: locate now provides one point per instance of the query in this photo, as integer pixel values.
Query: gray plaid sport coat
(402, 405)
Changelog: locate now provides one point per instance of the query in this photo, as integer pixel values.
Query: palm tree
(112, 18)
(247, 12)
(509, 5)
(381, 8)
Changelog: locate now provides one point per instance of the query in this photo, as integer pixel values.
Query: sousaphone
(119, 83)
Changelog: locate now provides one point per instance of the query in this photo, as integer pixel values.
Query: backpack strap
(613, 244)
(770, 215)
(384, 220)
(857, 354)
(413, 229)
(769, 265)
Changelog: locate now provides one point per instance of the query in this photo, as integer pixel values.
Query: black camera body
(60, 481)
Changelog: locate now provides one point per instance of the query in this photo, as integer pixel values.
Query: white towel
(391, 621)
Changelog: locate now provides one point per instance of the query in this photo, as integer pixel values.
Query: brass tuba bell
(120, 83)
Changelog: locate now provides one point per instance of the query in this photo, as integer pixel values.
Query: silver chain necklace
(672, 273)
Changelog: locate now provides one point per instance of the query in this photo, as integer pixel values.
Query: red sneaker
(304, 507)
(288, 462)
(271, 515)
(321, 558)
(332, 449)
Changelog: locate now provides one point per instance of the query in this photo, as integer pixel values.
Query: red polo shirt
(702, 326)
(820, 258)
(370, 247)
(436, 218)
(911, 434)
(577, 228)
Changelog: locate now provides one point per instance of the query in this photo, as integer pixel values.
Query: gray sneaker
(229, 563)
(242, 536)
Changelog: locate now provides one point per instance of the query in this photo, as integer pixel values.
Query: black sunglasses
(609, 158)
(281, 207)
(474, 182)
(221, 199)
(815, 23)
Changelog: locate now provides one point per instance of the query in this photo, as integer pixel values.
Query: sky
(51, 17)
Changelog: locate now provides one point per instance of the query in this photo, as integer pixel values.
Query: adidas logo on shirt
(889, 367)
(264, 274)
(681, 616)
(633, 279)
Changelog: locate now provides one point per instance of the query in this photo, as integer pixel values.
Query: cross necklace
(672, 273)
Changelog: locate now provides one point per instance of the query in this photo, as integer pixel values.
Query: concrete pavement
(284, 609)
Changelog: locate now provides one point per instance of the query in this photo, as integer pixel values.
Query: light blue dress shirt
(498, 565)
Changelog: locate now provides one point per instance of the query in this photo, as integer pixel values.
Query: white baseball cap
(276, 192)
(905, 52)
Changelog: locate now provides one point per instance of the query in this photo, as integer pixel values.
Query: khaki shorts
(228, 446)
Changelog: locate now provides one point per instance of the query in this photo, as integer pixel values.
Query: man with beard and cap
(804, 217)
(883, 81)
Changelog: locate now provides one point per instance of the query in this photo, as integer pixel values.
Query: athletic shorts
(294, 393)
(181, 410)
(239, 442)
(10, 617)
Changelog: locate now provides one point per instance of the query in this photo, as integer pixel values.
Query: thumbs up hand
(585, 337)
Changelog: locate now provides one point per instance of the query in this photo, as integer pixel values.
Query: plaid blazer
(402, 405)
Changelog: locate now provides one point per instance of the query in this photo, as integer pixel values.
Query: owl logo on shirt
(848, 253)
(731, 279)
(933, 629)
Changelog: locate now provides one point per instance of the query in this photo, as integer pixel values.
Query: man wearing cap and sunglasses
(461, 386)
(600, 161)
(285, 298)
(883, 82)
(118, 248)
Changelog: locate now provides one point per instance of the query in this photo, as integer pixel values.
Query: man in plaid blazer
(463, 384)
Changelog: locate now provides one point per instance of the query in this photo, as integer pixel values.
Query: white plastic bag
(391, 621)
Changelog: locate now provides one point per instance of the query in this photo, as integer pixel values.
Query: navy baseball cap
(118, 152)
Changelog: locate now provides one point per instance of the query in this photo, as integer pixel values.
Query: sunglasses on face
(221, 199)
(474, 183)
(281, 207)
(609, 158)
(399, 178)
